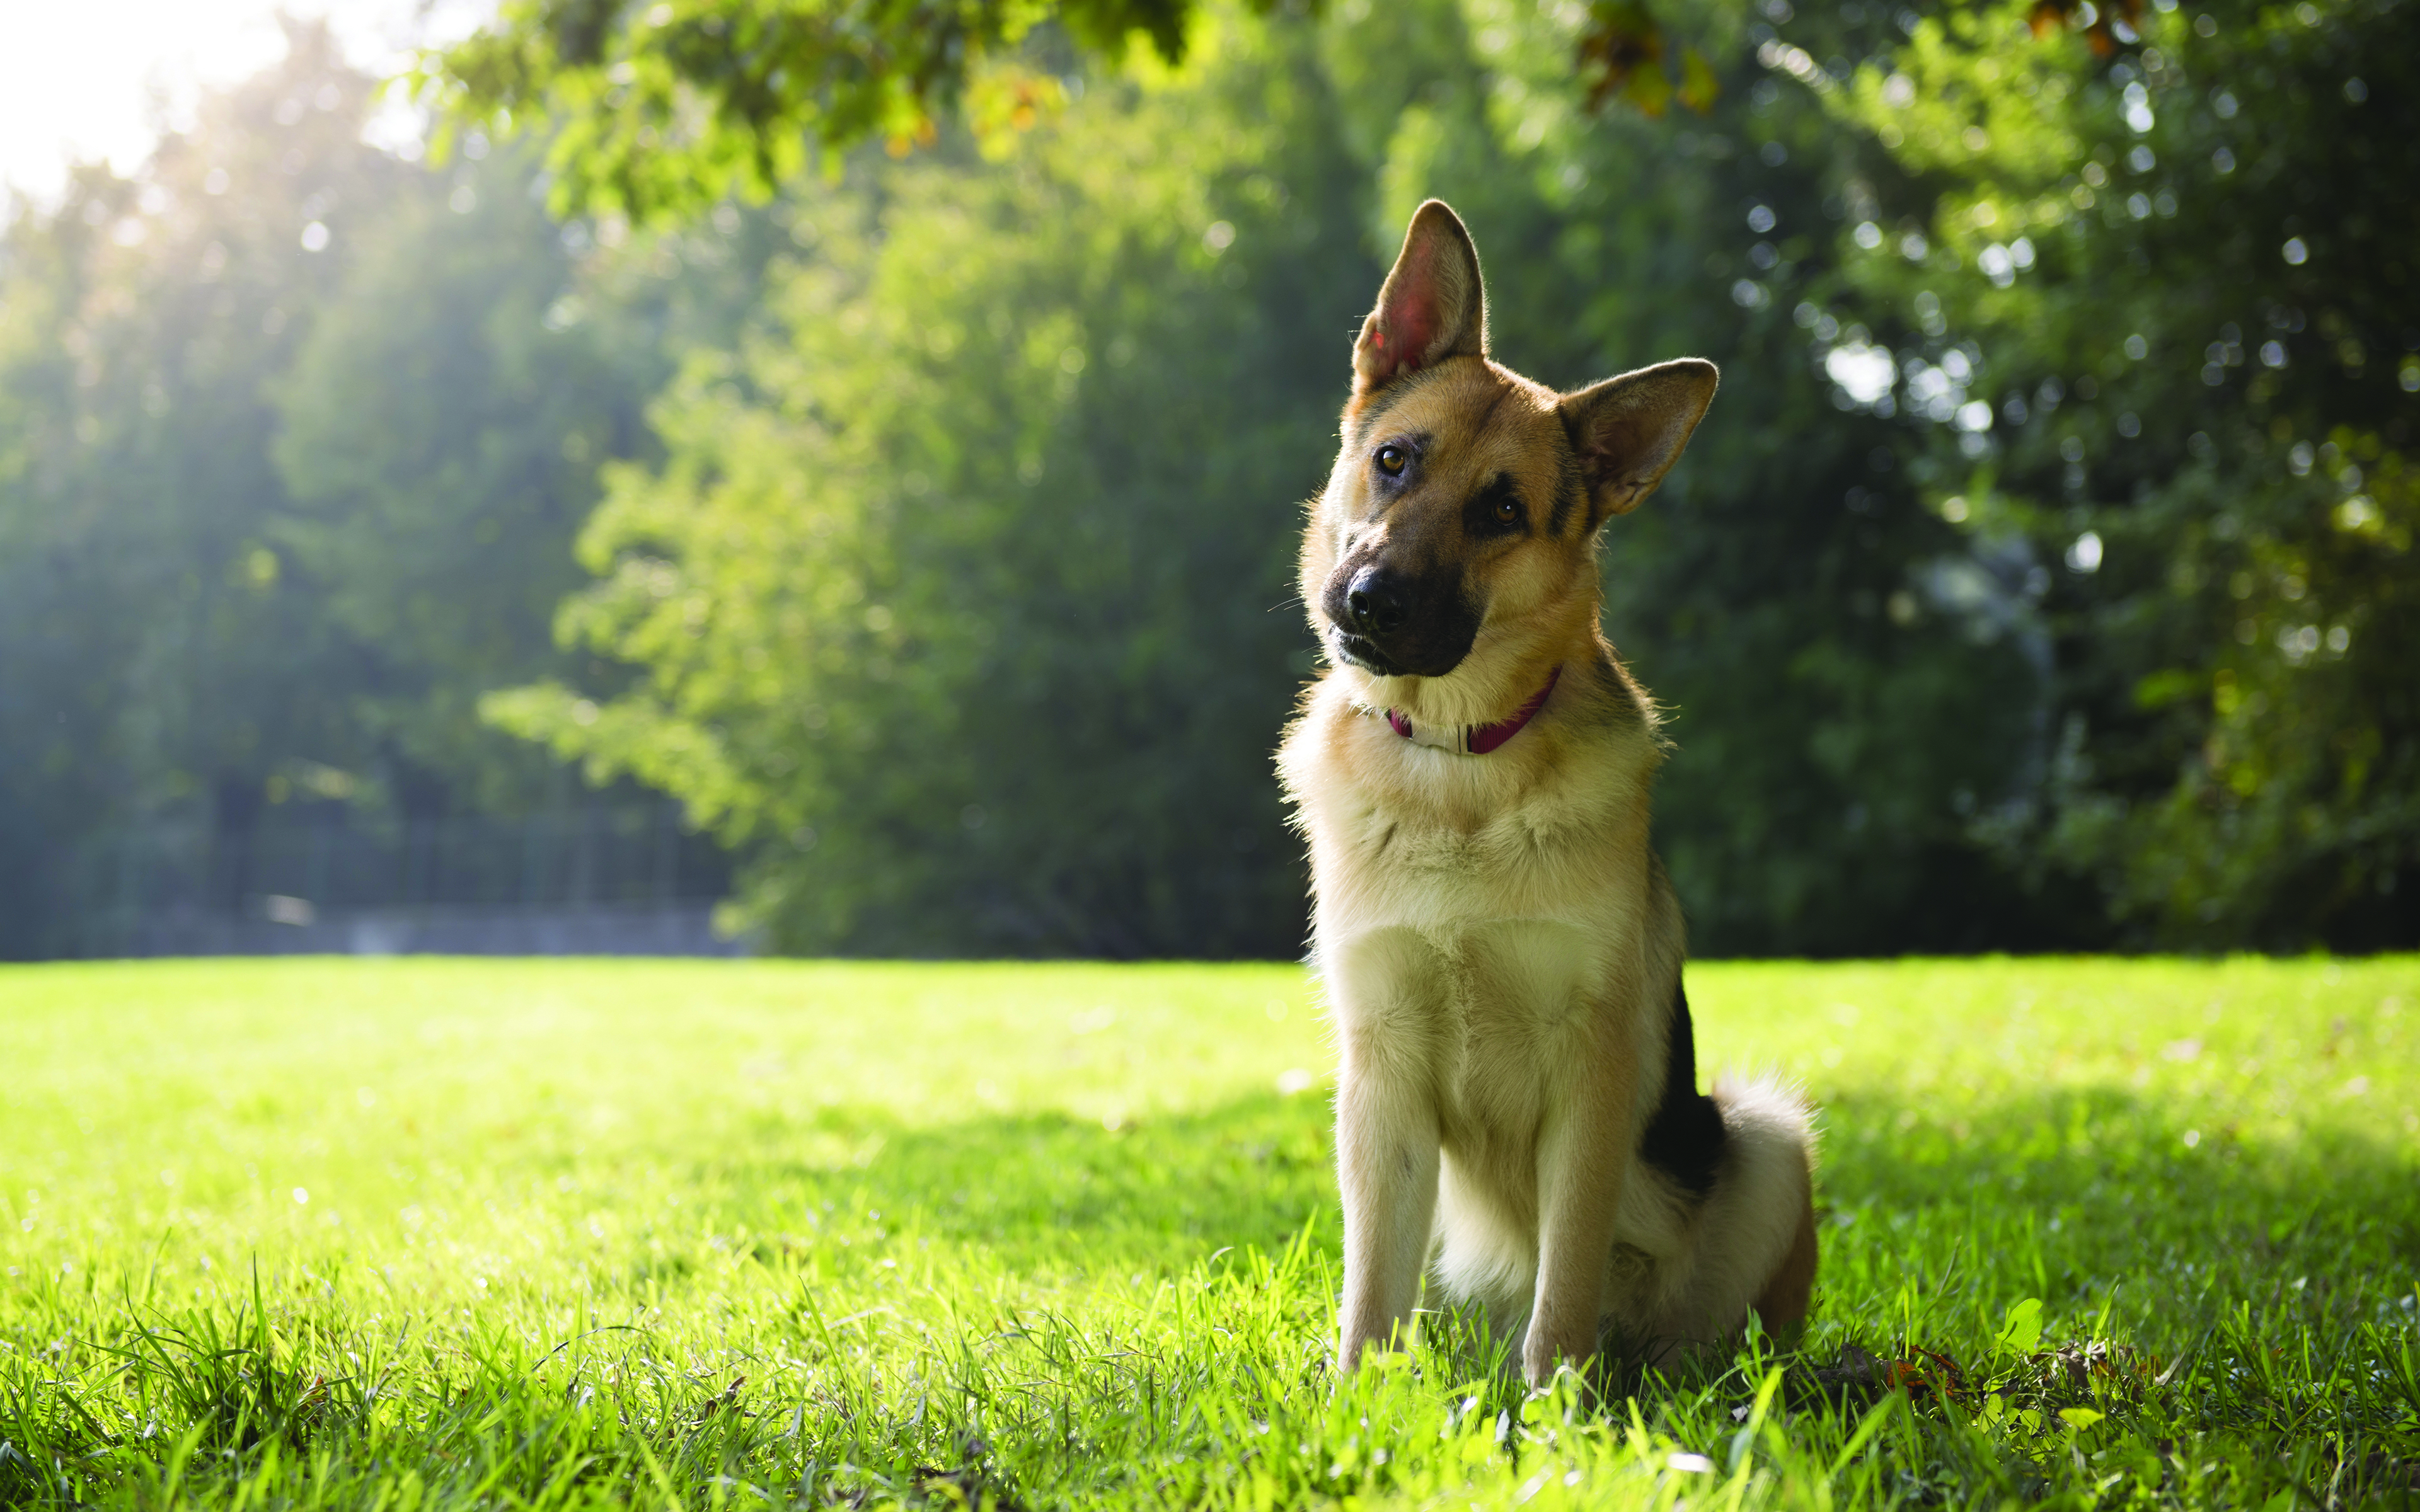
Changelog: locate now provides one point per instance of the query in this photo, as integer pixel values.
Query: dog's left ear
(1630, 430)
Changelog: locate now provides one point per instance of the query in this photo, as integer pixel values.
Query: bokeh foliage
(2043, 576)
(294, 434)
(1896, 711)
(2188, 292)
(151, 638)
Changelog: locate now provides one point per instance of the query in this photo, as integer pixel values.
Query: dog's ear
(1630, 430)
(1433, 307)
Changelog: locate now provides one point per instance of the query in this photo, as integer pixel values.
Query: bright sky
(97, 78)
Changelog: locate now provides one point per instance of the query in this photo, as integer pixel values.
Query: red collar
(1475, 739)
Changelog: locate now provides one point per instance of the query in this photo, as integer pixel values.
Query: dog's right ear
(1433, 305)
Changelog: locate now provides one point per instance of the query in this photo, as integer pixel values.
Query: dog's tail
(1755, 1239)
(1765, 1110)
(1776, 1117)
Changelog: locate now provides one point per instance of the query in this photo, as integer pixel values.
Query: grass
(404, 1234)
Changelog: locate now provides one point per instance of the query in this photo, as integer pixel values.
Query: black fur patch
(1684, 1139)
(1479, 511)
(1570, 496)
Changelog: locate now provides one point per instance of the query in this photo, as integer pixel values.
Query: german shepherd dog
(1518, 1111)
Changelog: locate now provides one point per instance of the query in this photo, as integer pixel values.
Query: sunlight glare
(102, 79)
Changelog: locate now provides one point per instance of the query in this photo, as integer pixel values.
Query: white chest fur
(1481, 1017)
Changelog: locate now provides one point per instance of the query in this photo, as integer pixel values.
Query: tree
(962, 598)
(2041, 577)
(664, 109)
(2164, 291)
(155, 648)
(294, 439)
(441, 429)
(860, 631)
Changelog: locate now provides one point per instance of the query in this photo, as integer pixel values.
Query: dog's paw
(1543, 1355)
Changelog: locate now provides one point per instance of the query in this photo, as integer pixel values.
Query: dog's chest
(1515, 1022)
(1489, 1019)
(1473, 920)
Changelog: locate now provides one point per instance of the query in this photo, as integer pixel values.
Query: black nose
(1375, 602)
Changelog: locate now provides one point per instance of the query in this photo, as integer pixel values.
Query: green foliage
(446, 1233)
(442, 427)
(2043, 576)
(670, 107)
(2177, 284)
(439, 531)
(664, 109)
(963, 593)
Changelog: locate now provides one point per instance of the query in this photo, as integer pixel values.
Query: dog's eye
(1508, 510)
(1391, 460)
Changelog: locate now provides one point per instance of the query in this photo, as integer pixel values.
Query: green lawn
(391, 1234)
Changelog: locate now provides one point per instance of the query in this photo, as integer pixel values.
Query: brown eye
(1508, 510)
(1391, 460)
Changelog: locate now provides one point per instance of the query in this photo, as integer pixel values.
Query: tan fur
(1782, 1305)
(1499, 948)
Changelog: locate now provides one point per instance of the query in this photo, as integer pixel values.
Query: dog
(1518, 1111)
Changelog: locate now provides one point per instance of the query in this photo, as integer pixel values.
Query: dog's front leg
(1580, 1169)
(1387, 1151)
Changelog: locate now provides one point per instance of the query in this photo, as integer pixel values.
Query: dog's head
(1460, 522)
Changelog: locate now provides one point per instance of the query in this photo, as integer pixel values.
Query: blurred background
(671, 521)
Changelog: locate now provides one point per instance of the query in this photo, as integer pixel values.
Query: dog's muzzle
(1395, 624)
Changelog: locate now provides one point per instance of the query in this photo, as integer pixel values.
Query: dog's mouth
(1362, 651)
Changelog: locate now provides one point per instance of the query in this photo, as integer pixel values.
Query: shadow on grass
(2261, 1289)
(1043, 1191)
(2077, 1194)
(2060, 1196)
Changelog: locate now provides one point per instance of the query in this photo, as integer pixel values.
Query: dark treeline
(2042, 578)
